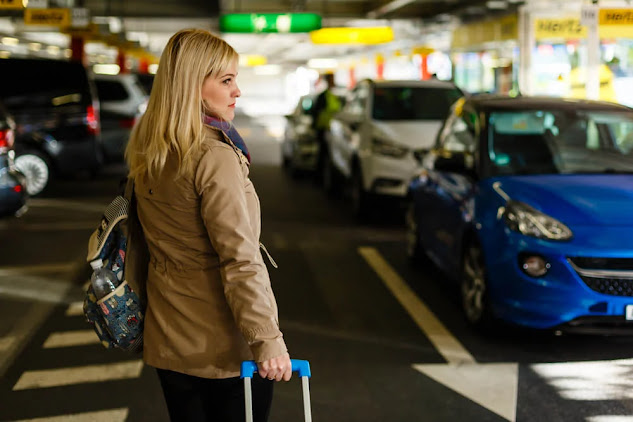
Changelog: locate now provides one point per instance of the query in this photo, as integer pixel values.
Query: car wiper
(605, 171)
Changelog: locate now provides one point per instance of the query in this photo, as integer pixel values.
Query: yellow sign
(48, 17)
(362, 35)
(12, 4)
(478, 33)
(615, 17)
(567, 28)
(616, 23)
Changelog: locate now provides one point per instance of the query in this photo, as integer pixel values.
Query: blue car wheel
(474, 286)
(414, 250)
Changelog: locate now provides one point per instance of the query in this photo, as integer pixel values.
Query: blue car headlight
(526, 220)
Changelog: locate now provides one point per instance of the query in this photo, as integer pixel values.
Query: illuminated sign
(269, 22)
(566, 28)
(12, 4)
(48, 17)
(615, 17)
(375, 35)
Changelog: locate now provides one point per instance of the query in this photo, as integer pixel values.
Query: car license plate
(628, 312)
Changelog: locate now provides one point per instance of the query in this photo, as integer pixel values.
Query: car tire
(415, 251)
(474, 288)
(329, 177)
(358, 197)
(37, 169)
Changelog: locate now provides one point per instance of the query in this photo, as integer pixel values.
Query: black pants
(193, 399)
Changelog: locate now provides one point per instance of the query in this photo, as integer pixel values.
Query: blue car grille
(609, 276)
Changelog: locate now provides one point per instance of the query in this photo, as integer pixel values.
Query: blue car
(528, 204)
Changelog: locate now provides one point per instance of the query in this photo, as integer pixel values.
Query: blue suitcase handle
(249, 367)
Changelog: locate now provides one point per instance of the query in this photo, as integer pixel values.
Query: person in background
(325, 106)
(210, 303)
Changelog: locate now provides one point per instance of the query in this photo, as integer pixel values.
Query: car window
(460, 138)
(560, 141)
(357, 101)
(111, 90)
(413, 103)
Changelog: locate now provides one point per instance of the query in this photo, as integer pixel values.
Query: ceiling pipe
(388, 8)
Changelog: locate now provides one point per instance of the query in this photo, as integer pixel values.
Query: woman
(210, 304)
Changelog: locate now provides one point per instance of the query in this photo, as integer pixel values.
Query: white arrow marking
(493, 386)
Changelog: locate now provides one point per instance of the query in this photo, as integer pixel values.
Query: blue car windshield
(413, 103)
(560, 142)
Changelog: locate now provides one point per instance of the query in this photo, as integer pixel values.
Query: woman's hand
(276, 368)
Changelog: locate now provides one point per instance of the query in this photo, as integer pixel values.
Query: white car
(377, 141)
(123, 99)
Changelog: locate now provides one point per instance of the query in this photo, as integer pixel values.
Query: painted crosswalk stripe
(79, 375)
(71, 338)
(6, 343)
(36, 269)
(75, 309)
(114, 415)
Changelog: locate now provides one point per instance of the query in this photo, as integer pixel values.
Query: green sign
(270, 22)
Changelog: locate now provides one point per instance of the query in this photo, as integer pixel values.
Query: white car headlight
(387, 148)
(526, 220)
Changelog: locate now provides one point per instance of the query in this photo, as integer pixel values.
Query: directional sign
(47, 17)
(12, 4)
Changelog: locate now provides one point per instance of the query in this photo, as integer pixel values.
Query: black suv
(57, 116)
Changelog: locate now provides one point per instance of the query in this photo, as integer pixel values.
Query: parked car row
(524, 203)
(64, 126)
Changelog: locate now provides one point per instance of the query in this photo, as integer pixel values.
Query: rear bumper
(383, 175)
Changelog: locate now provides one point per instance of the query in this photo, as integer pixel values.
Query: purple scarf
(231, 132)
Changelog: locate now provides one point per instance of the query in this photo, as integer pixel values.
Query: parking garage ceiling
(357, 9)
(411, 20)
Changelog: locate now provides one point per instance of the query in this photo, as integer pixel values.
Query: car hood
(414, 134)
(576, 199)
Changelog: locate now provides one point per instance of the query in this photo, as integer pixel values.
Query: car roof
(429, 83)
(487, 102)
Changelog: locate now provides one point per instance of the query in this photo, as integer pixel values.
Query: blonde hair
(173, 121)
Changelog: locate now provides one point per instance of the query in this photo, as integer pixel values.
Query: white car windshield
(413, 103)
(560, 141)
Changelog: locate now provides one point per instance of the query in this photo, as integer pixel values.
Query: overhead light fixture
(375, 35)
(323, 63)
(52, 50)
(106, 69)
(268, 70)
(496, 4)
(269, 22)
(388, 8)
(35, 46)
(10, 41)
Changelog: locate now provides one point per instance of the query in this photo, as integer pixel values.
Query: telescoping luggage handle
(249, 367)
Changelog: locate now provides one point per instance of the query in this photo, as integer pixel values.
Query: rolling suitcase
(249, 367)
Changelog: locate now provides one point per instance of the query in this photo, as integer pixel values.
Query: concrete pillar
(120, 60)
(77, 50)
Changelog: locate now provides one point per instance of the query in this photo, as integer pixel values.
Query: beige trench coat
(210, 303)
